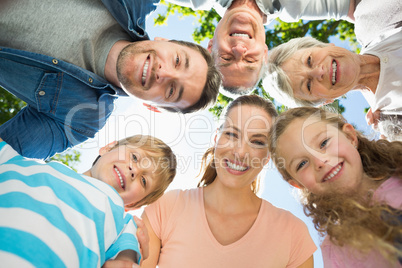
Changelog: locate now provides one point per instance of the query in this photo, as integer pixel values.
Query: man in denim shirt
(70, 59)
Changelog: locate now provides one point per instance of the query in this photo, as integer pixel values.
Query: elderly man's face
(163, 72)
(239, 47)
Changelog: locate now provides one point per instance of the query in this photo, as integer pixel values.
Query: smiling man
(238, 45)
(69, 60)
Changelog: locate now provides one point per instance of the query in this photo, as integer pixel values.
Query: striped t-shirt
(51, 216)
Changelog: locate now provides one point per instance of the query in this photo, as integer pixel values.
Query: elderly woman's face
(322, 73)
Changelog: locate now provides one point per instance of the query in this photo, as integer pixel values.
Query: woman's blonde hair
(159, 153)
(208, 162)
(348, 217)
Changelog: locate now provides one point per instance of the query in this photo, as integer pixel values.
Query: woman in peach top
(223, 223)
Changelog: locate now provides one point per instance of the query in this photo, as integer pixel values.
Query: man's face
(239, 46)
(162, 72)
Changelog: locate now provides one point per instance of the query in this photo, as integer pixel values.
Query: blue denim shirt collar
(131, 15)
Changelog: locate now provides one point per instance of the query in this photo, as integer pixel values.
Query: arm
(292, 11)
(154, 245)
(352, 8)
(308, 264)
(125, 259)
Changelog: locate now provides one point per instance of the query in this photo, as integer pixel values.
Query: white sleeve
(293, 10)
(6, 152)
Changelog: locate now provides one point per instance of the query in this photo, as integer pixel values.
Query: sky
(190, 135)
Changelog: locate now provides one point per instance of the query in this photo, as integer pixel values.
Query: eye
(144, 182)
(324, 143)
(135, 158)
(309, 61)
(309, 85)
(171, 91)
(259, 143)
(226, 58)
(301, 164)
(231, 134)
(177, 60)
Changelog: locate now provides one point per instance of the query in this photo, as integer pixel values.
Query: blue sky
(190, 135)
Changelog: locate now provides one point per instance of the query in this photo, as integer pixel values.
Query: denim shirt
(66, 104)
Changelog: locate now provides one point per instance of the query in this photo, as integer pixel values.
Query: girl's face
(241, 147)
(128, 170)
(320, 157)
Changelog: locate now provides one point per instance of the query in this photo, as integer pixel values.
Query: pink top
(389, 191)
(276, 239)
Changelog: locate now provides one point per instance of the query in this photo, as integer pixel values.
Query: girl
(351, 186)
(223, 223)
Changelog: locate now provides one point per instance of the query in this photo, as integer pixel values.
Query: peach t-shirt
(276, 239)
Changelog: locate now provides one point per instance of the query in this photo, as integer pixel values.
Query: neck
(229, 200)
(369, 72)
(88, 173)
(111, 62)
(249, 4)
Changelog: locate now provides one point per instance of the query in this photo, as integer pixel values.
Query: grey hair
(277, 82)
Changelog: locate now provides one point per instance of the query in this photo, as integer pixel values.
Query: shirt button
(90, 80)
(55, 61)
(385, 59)
(42, 93)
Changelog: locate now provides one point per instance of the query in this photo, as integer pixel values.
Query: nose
(317, 72)
(131, 173)
(240, 150)
(239, 50)
(320, 162)
(164, 74)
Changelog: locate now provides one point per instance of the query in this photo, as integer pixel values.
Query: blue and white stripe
(50, 216)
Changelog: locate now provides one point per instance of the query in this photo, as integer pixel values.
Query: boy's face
(128, 170)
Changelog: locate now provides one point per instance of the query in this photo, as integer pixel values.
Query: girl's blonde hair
(348, 217)
(164, 159)
(208, 162)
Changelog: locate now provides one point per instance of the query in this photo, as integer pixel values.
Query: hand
(143, 237)
(120, 264)
(373, 118)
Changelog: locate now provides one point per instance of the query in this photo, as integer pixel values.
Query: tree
(11, 105)
(276, 34)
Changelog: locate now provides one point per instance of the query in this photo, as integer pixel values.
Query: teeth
(334, 65)
(144, 72)
(330, 176)
(236, 167)
(121, 179)
(240, 35)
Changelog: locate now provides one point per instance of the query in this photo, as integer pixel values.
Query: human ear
(161, 39)
(216, 135)
(107, 148)
(295, 184)
(267, 159)
(129, 207)
(351, 134)
(210, 45)
(326, 102)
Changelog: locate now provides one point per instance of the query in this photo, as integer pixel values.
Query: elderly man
(238, 46)
(70, 59)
